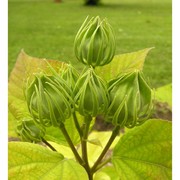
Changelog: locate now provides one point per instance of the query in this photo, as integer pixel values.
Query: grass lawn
(46, 29)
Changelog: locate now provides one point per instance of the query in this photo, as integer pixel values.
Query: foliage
(70, 149)
(41, 164)
(145, 152)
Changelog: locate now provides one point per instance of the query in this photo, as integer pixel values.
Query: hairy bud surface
(49, 100)
(95, 42)
(131, 100)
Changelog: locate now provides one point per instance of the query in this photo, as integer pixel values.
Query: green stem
(106, 148)
(84, 145)
(68, 139)
(77, 124)
(85, 137)
(47, 144)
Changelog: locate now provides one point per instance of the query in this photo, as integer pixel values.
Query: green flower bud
(49, 100)
(29, 131)
(95, 43)
(91, 96)
(70, 75)
(131, 100)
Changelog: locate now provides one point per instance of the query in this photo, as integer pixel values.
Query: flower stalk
(106, 148)
(48, 144)
(84, 141)
(71, 145)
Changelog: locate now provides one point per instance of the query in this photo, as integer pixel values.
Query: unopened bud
(49, 100)
(95, 43)
(70, 75)
(131, 100)
(91, 96)
(29, 131)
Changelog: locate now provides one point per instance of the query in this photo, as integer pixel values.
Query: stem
(111, 139)
(47, 144)
(68, 139)
(84, 138)
(77, 124)
(84, 145)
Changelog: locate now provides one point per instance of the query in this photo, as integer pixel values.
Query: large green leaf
(123, 63)
(145, 152)
(34, 162)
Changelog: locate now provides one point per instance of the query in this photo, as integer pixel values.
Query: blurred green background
(46, 29)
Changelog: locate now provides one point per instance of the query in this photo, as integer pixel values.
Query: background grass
(46, 29)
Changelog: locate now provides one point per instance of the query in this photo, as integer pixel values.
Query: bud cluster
(125, 101)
